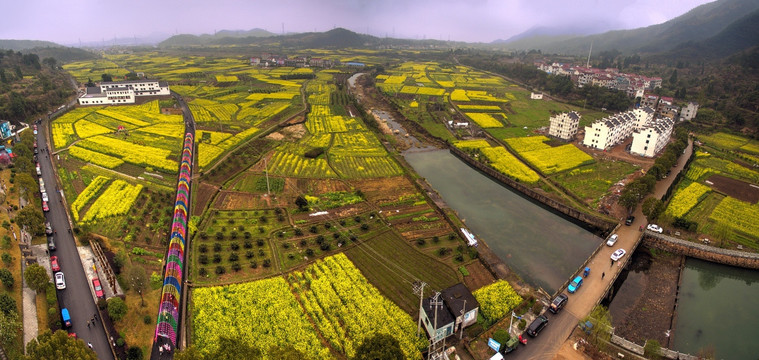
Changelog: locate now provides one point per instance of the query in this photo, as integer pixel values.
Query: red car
(45, 208)
(98, 289)
(54, 264)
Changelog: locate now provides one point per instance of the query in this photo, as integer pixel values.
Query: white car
(618, 254)
(655, 228)
(44, 197)
(612, 240)
(60, 282)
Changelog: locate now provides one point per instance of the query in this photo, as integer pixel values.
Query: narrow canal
(542, 247)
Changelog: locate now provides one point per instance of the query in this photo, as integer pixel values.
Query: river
(717, 309)
(544, 248)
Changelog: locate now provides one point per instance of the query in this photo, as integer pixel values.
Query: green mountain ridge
(701, 23)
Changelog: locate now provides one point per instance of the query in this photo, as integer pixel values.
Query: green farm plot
(235, 242)
(591, 182)
(258, 184)
(389, 263)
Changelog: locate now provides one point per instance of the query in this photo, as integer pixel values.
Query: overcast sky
(69, 21)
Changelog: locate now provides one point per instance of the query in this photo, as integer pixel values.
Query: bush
(220, 270)
(253, 264)
(216, 258)
(216, 247)
(202, 272)
(309, 252)
(537, 307)
(117, 308)
(235, 246)
(147, 319)
(314, 153)
(7, 304)
(234, 257)
(7, 278)
(502, 336)
(652, 350)
(203, 259)
(134, 353)
(522, 324)
(120, 342)
(267, 263)
(236, 267)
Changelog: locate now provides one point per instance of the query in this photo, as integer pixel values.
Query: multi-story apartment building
(564, 126)
(652, 138)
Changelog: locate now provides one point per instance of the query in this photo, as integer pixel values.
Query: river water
(542, 247)
(717, 308)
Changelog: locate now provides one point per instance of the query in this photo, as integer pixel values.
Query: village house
(564, 126)
(652, 138)
(612, 130)
(455, 299)
(689, 111)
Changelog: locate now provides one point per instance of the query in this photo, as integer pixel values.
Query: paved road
(561, 325)
(77, 297)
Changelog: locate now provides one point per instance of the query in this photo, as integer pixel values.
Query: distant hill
(738, 36)
(62, 54)
(206, 39)
(701, 23)
(17, 45)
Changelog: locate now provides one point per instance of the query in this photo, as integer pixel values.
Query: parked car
(612, 240)
(66, 317)
(44, 197)
(629, 220)
(45, 208)
(618, 254)
(538, 324)
(48, 228)
(60, 281)
(50, 243)
(54, 264)
(655, 228)
(575, 284)
(558, 303)
(98, 289)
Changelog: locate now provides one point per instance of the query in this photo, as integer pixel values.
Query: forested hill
(30, 87)
(699, 24)
(25, 44)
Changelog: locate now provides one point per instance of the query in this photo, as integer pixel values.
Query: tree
(134, 353)
(25, 181)
(10, 326)
(106, 77)
(32, 218)
(379, 346)
(58, 346)
(90, 83)
(188, 353)
(286, 352)
(230, 348)
(652, 208)
(36, 277)
(139, 280)
(673, 78)
(131, 76)
(117, 308)
(628, 199)
(49, 61)
(301, 202)
(600, 333)
(7, 278)
(7, 304)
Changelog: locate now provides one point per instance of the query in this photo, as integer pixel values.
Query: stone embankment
(700, 251)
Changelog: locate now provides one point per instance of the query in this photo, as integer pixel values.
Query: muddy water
(539, 245)
(718, 309)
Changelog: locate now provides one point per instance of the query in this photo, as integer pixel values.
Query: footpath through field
(603, 273)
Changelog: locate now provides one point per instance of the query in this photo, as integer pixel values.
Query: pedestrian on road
(93, 321)
(612, 263)
(88, 324)
(603, 274)
(95, 316)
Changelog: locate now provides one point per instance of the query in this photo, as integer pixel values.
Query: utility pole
(435, 349)
(419, 288)
(463, 311)
(266, 169)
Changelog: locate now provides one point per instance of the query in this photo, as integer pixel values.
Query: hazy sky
(68, 21)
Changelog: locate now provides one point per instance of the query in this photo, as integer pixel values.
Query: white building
(689, 111)
(652, 138)
(123, 92)
(535, 96)
(564, 126)
(614, 129)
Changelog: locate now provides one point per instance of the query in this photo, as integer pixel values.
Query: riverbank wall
(592, 221)
(700, 251)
